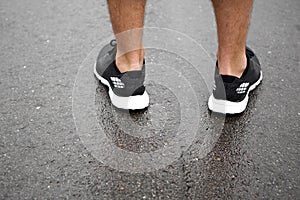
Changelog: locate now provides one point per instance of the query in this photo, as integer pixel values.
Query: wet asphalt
(255, 155)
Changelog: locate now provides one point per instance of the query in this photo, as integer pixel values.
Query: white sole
(229, 107)
(136, 102)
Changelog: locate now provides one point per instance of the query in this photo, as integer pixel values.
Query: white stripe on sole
(129, 103)
(229, 107)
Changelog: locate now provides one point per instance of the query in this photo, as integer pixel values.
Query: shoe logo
(242, 89)
(117, 82)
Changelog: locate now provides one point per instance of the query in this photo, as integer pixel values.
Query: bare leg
(127, 18)
(233, 18)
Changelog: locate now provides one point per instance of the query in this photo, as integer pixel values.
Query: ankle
(130, 61)
(233, 65)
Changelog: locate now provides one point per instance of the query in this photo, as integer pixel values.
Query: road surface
(42, 156)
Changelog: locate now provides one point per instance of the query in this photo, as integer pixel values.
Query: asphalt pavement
(44, 153)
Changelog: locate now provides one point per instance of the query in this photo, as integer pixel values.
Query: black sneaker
(230, 94)
(126, 90)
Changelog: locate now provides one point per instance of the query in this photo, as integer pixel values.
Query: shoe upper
(235, 89)
(123, 84)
